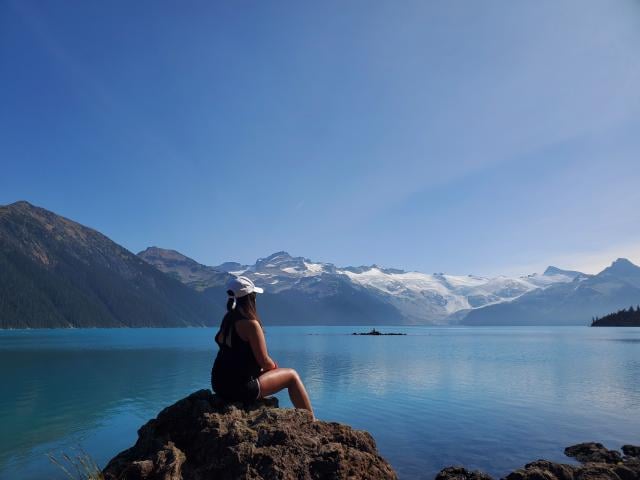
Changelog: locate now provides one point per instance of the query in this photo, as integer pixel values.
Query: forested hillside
(57, 273)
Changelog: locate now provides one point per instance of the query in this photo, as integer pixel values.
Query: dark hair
(245, 309)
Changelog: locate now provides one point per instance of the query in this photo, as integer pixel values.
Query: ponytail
(231, 301)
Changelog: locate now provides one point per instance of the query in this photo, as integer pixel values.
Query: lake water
(488, 398)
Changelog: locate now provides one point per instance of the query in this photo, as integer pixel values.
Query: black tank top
(235, 362)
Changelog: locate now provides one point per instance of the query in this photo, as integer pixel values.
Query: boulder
(203, 437)
(597, 463)
(631, 451)
(460, 473)
(543, 470)
(592, 452)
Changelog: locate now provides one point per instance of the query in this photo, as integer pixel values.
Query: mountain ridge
(416, 297)
(317, 299)
(55, 272)
(574, 303)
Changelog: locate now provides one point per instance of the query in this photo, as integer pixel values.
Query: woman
(243, 370)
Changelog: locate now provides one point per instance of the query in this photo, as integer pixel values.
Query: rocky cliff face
(200, 437)
(597, 463)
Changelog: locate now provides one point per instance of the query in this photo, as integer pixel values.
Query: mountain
(572, 303)
(551, 270)
(439, 297)
(299, 290)
(231, 267)
(184, 269)
(57, 273)
(622, 270)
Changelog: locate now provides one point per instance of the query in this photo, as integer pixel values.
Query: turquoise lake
(488, 398)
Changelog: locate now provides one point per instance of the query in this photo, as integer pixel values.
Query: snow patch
(314, 267)
(291, 270)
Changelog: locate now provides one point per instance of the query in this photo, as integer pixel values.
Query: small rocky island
(201, 437)
(373, 331)
(621, 318)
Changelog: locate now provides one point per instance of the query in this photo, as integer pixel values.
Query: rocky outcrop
(590, 452)
(460, 473)
(201, 437)
(598, 463)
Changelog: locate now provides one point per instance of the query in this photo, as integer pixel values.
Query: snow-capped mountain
(567, 303)
(418, 298)
(60, 273)
(438, 296)
(280, 271)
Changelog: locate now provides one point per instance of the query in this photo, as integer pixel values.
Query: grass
(79, 466)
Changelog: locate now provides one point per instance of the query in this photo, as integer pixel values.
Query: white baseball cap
(241, 286)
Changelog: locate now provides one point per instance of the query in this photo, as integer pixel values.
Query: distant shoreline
(162, 327)
(621, 318)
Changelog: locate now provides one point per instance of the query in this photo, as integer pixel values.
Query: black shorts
(248, 391)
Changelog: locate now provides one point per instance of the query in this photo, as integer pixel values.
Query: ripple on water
(492, 398)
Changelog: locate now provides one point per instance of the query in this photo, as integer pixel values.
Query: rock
(460, 473)
(598, 463)
(201, 437)
(592, 452)
(375, 332)
(543, 470)
(631, 450)
(596, 472)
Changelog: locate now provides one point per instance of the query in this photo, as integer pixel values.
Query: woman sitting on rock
(243, 370)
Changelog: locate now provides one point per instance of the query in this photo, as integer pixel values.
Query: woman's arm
(256, 339)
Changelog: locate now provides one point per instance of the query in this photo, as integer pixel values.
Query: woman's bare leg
(280, 378)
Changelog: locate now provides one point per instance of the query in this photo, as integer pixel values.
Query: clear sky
(455, 136)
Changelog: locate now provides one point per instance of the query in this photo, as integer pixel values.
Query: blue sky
(460, 136)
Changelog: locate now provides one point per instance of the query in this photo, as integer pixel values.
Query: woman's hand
(272, 365)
